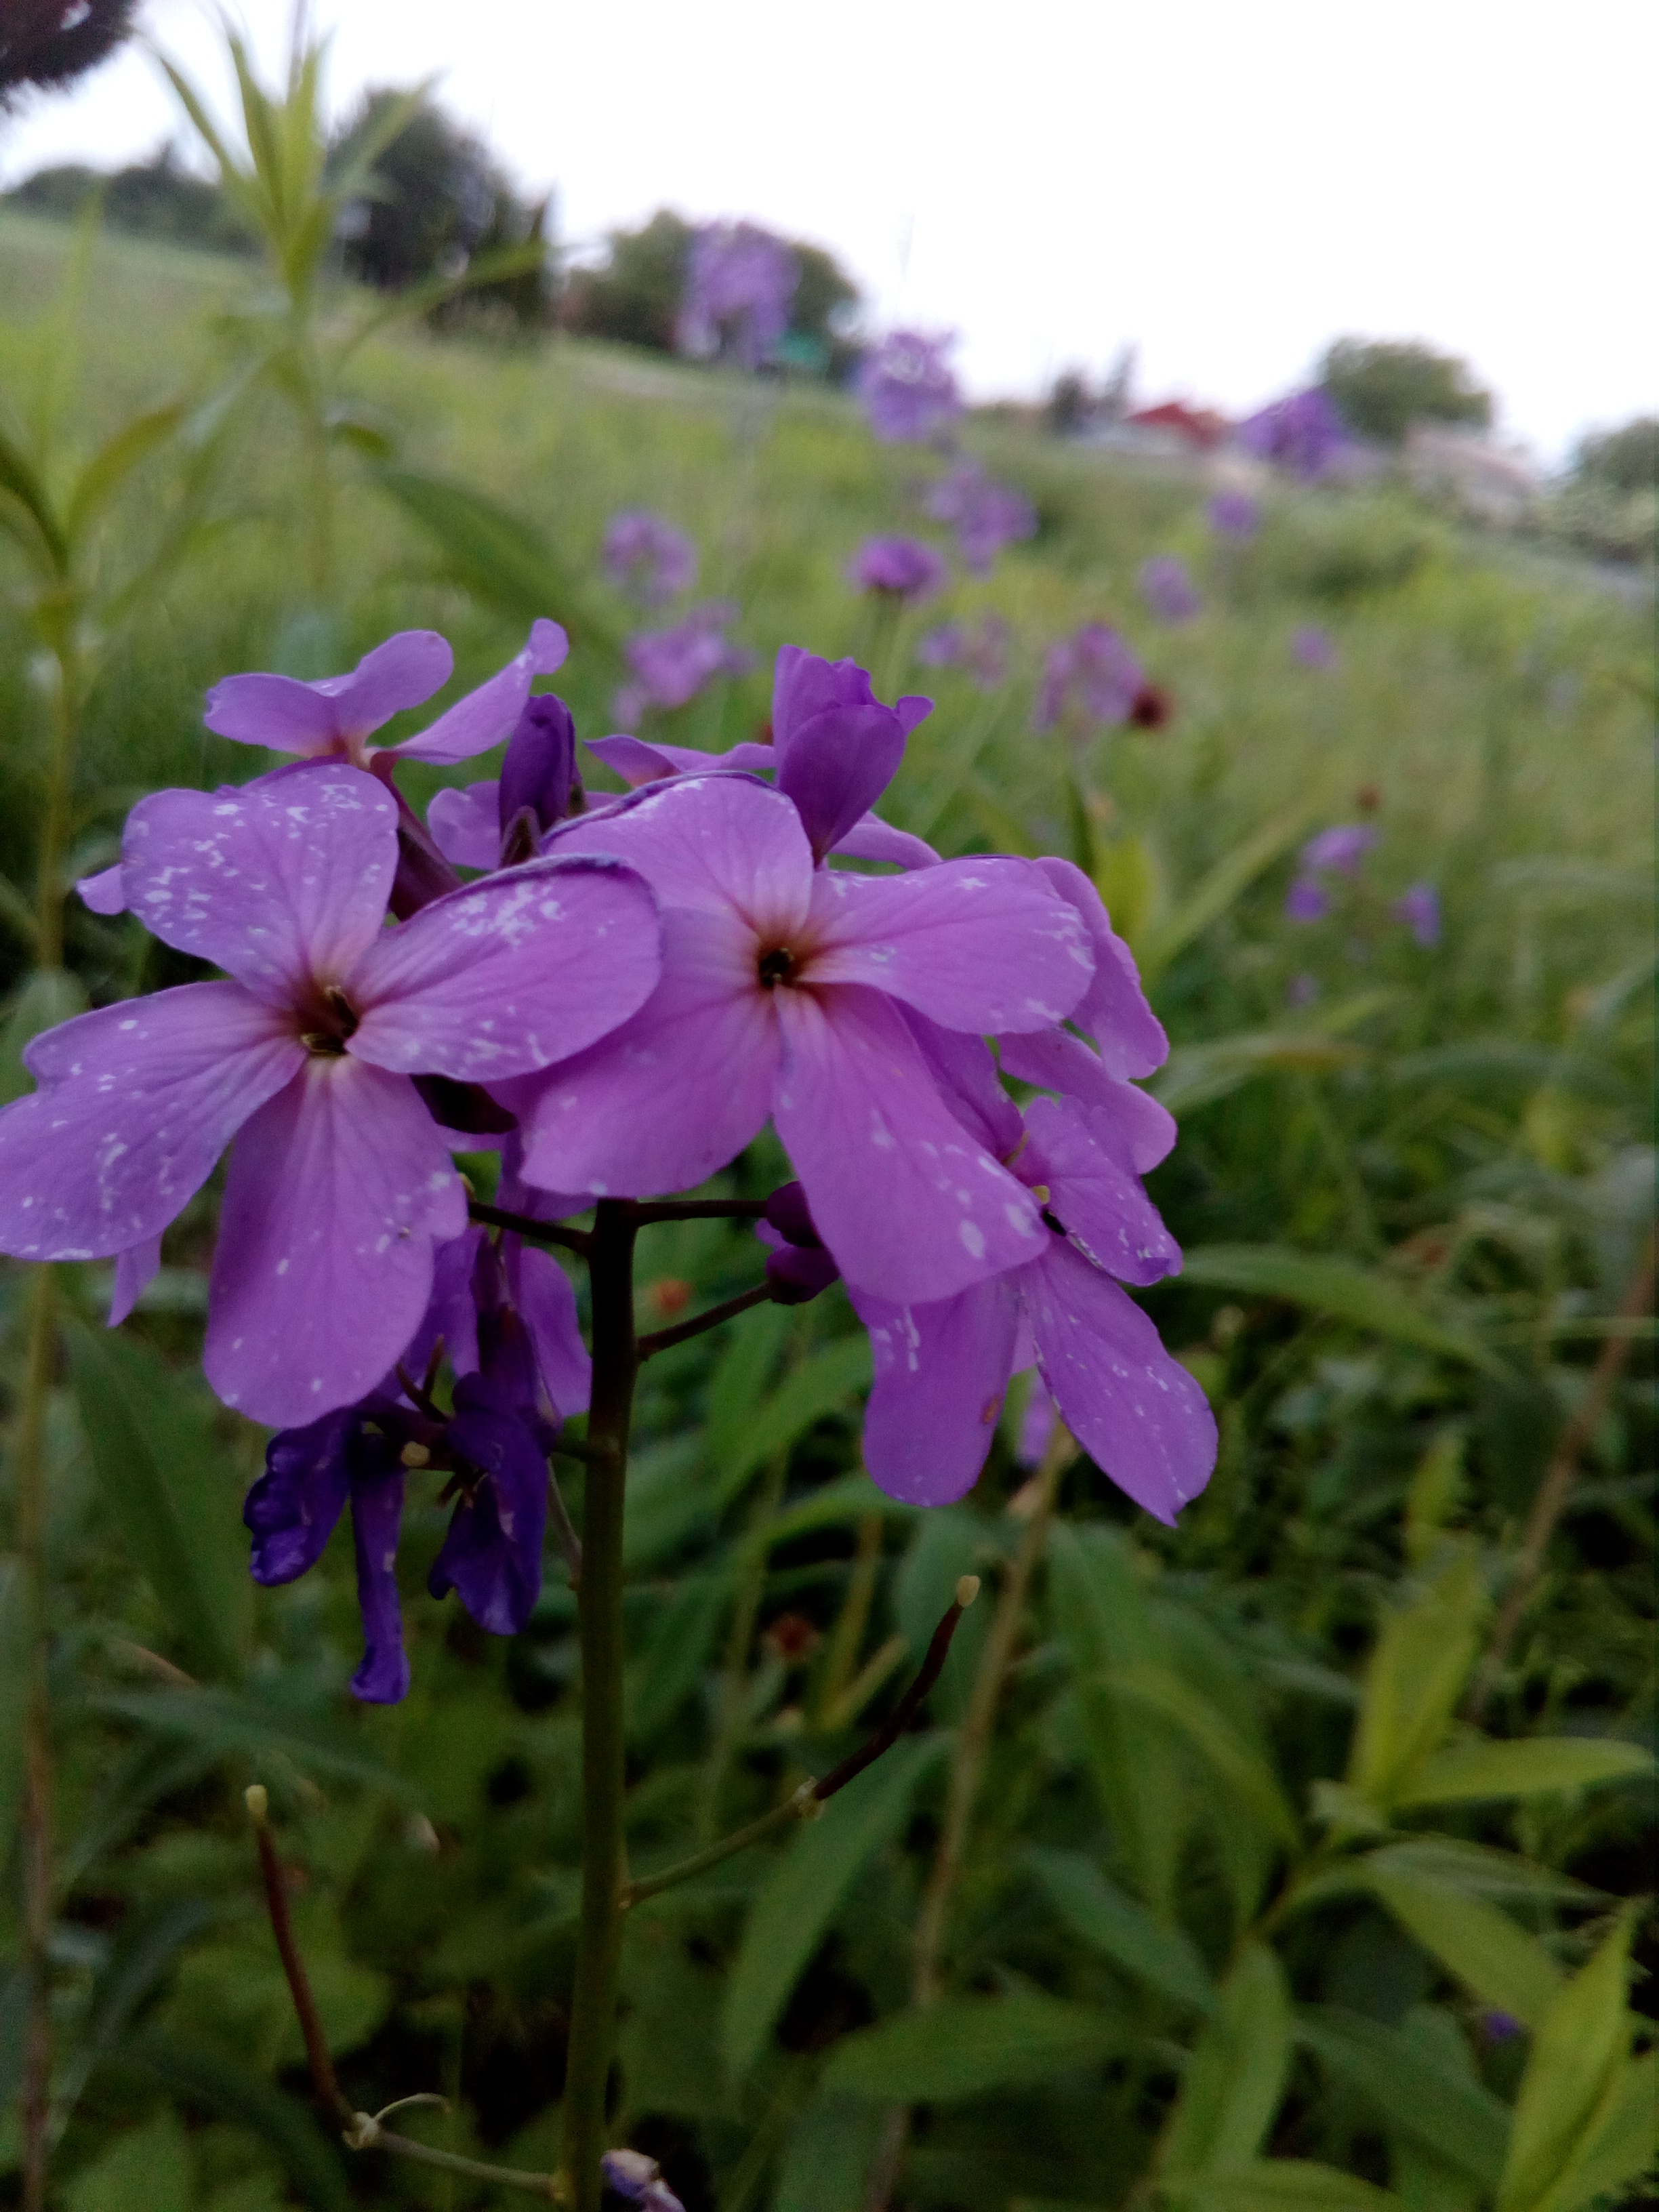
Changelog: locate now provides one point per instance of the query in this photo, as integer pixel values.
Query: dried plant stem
(599, 1619)
(37, 1853)
(1557, 1485)
(967, 1773)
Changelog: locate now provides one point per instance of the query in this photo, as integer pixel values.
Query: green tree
(1625, 460)
(1381, 386)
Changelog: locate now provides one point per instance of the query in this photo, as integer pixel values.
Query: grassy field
(1212, 1920)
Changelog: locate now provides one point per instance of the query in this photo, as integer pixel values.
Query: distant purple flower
(835, 749)
(1092, 678)
(739, 282)
(1419, 908)
(1307, 900)
(1304, 434)
(1168, 589)
(1303, 990)
(1312, 646)
(1340, 849)
(647, 556)
(340, 1183)
(1502, 2027)
(986, 516)
(903, 567)
(671, 667)
(786, 991)
(1235, 514)
(981, 653)
(907, 387)
(333, 718)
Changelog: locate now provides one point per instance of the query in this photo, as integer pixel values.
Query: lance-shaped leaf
(1338, 1288)
(1447, 2112)
(1220, 886)
(1581, 2043)
(1121, 1929)
(1417, 1670)
(1536, 1766)
(963, 2046)
(1235, 2076)
(1281, 2185)
(1500, 1964)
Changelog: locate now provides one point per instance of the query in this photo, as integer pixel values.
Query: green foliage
(1382, 387)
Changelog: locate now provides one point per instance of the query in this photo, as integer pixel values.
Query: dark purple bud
(1501, 2027)
(797, 1274)
(786, 1210)
(538, 772)
(492, 1555)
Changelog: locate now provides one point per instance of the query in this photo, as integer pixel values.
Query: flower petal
(486, 716)
(105, 892)
(712, 844)
(1095, 1194)
(940, 1372)
(509, 975)
(978, 945)
(136, 1102)
(492, 1554)
(465, 825)
(292, 1508)
(872, 839)
(281, 882)
(377, 1510)
(966, 1074)
(1055, 1060)
(670, 1098)
(639, 764)
(546, 1300)
(1113, 1009)
(136, 1269)
(836, 766)
(292, 717)
(912, 1209)
(1137, 1412)
(338, 1189)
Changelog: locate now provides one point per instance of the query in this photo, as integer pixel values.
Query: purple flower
(1419, 906)
(647, 556)
(982, 653)
(639, 2178)
(785, 991)
(1307, 900)
(671, 667)
(1502, 2027)
(1093, 679)
(902, 568)
(1168, 589)
(340, 1183)
(834, 748)
(1235, 514)
(907, 387)
(1304, 434)
(1340, 849)
(738, 284)
(987, 516)
(334, 718)
(490, 825)
(1312, 646)
(942, 1367)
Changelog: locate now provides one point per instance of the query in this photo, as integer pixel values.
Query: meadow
(1293, 1857)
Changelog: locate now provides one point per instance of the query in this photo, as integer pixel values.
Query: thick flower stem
(37, 1742)
(594, 2004)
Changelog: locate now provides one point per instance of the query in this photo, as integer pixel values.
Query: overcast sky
(1228, 186)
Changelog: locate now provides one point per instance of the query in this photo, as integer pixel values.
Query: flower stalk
(37, 1742)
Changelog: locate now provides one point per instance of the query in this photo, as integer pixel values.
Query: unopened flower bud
(967, 1590)
(257, 1801)
(539, 772)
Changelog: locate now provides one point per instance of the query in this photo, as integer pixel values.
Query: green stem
(802, 1804)
(37, 1742)
(600, 1613)
(55, 821)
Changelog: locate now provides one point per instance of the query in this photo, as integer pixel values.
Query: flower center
(334, 1018)
(775, 967)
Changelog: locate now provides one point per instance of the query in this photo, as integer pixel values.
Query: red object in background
(1200, 427)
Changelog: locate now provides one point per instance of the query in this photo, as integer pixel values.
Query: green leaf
(1450, 2114)
(1581, 2042)
(229, 1722)
(1447, 1863)
(50, 996)
(1221, 885)
(806, 1888)
(148, 1944)
(1340, 1288)
(495, 554)
(1209, 1733)
(1417, 1670)
(1236, 2073)
(848, 1498)
(671, 1663)
(1280, 2185)
(1196, 1075)
(963, 2047)
(147, 2167)
(1496, 1962)
(205, 2077)
(828, 2157)
(164, 1478)
(753, 1346)
(1534, 1767)
(1619, 2145)
(18, 477)
(110, 467)
(1119, 1927)
(824, 1380)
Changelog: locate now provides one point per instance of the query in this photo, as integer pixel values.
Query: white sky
(1228, 185)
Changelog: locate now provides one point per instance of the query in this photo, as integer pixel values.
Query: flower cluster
(648, 557)
(738, 284)
(985, 515)
(1092, 679)
(1340, 852)
(1304, 434)
(620, 999)
(908, 388)
(669, 667)
(903, 569)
